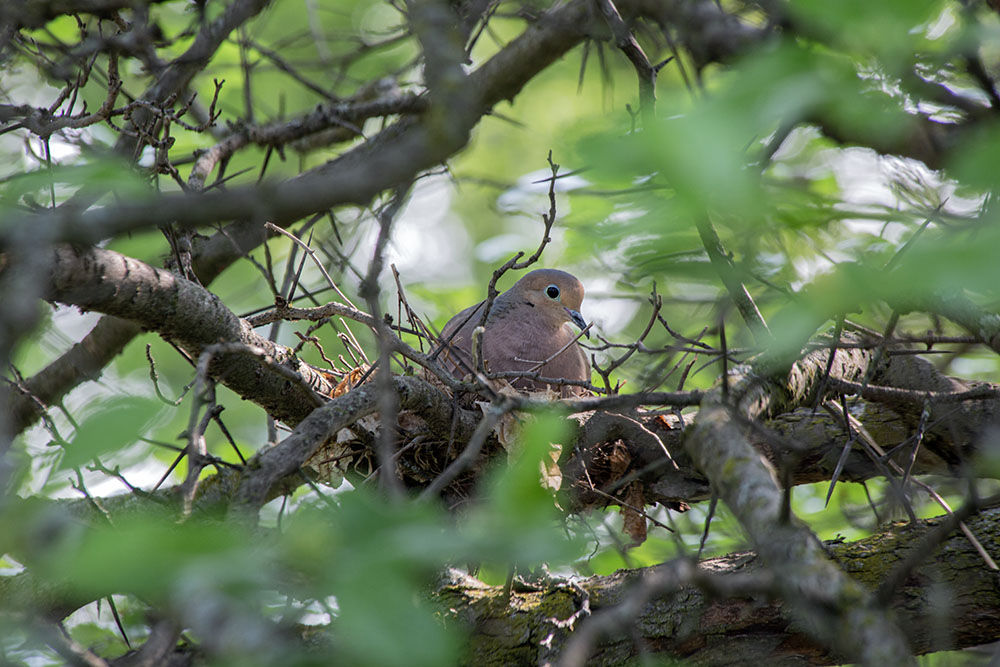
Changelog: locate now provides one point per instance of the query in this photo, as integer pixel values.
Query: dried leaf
(549, 468)
(619, 460)
(508, 428)
(350, 380)
(369, 423)
(508, 432)
(634, 523)
(332, 459)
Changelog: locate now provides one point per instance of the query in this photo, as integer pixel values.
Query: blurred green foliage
(117, 422)
(362, 558)
(811, 243)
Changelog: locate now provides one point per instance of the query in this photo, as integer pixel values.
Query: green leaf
(116, 424)
(150, 555)
(976, 162)
(518, 523)
(891, 29)
(377, 557)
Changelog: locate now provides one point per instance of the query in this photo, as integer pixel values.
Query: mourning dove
(526, 326)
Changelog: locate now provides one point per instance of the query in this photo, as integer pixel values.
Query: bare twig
(548, 220)
(870, 444)
(913, 397)
(387, 401)
(312, 255)
(737, 290)
(56, 637)
(606, 371)
(626, 42)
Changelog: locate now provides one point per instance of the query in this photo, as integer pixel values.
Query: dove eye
(552, 292)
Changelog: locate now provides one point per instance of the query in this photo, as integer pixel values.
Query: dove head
(556, 294)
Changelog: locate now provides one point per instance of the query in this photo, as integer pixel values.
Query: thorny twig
(605, 372)
(874, 448)
(203, 390)
(626, 42)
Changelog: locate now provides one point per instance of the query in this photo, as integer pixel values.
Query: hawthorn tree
(231, 231)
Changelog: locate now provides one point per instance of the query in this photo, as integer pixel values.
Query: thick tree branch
(695, 612)
(178, 74)
(37, 13)
(83, 362)
(263, 474)
(831, 607)
(86, 360)
(187, 314)
(393, 157)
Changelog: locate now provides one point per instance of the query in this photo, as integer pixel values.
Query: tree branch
(694, 613)
(187, 314)
(393, 157)
(832, 608)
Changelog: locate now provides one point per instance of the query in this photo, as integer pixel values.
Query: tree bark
(722, 611)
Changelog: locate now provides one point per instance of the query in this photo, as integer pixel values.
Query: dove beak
(578, 320)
